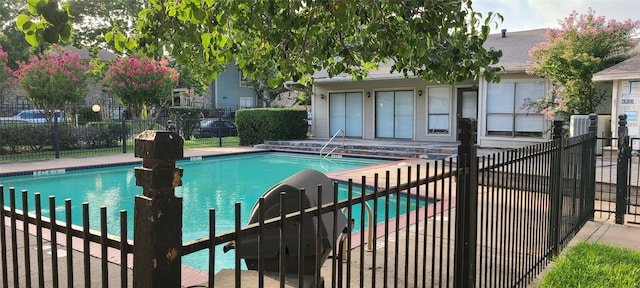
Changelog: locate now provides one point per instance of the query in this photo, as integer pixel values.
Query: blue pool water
(214, 182)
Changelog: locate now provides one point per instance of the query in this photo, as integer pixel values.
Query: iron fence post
(124, 131)
(158, 212)
(178, 123)
(466, 206)
(56, 136)
(220, 132)
(555, 196)
(624, 153)
(591, 186)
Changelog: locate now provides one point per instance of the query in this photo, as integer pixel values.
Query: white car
(12, 120)
(35, 116)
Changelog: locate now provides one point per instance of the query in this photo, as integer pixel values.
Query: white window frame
(434, 131)
(515, 113)
(244, 101)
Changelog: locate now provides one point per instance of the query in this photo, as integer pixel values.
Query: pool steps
(431, 151)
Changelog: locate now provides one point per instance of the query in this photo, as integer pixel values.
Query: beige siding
(420, 132)
(321, 105)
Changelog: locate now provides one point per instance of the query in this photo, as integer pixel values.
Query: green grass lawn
(211, 142)
(49, 154)
(595, 265)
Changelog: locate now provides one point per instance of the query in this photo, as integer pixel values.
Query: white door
(246, 102)
(394, 114)
(468, 103)
(345, 112)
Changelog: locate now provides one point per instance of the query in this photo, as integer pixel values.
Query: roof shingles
(515, 54)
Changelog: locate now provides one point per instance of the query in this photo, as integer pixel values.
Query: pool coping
(57, 166)
(54, 166)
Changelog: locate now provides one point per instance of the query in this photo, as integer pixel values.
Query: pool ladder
(329, 142)
(369, 232)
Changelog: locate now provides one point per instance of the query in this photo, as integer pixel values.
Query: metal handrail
(369, 231)
(329, 142)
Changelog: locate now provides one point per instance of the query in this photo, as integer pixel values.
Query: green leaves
(51, 24)
(206, 40)
(32, 5)
(119, 41)
(586, 44)
(441, 42)
(24, 22)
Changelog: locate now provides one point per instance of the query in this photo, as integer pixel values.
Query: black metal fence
(495, 221)
(81, 257)
(532, 201)
(26, 135)
(618, 177)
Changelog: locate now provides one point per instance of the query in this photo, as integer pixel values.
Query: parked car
(12, 120)
(35, 116)
(215, 128)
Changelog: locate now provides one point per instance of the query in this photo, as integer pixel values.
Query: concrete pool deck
(116, 159)
(602, 230)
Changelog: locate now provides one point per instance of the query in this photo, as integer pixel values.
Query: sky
(522, 15)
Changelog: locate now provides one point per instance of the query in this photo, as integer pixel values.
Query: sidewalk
(605, 231)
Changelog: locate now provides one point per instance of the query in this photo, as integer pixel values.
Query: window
(246, 102)
(439, 109)
(504, 115)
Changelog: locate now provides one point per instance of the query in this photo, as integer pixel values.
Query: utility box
(579, 125)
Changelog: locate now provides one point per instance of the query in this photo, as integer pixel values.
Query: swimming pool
(214, 182)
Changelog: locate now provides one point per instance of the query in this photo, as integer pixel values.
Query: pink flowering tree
(56, 79)
(585, 44)
(141, 84)
(5, 72)
(551, 105)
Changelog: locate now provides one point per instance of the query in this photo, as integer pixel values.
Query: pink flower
(60, 73)
(130, 78)
(6, 74)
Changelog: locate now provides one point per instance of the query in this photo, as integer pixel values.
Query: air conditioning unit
(579, 125)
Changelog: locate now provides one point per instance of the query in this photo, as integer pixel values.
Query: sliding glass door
(345, 112)
(394, 114)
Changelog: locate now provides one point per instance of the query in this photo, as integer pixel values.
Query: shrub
(86, 115)
(102, 134)
(15, 138)
(187, 119)
(256, 126)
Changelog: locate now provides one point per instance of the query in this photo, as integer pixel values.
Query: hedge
(255, 126)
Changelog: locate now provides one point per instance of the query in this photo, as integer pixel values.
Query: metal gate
(618, 177)
(632, 189)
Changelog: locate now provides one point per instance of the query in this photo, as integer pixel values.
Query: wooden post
(158, 213)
